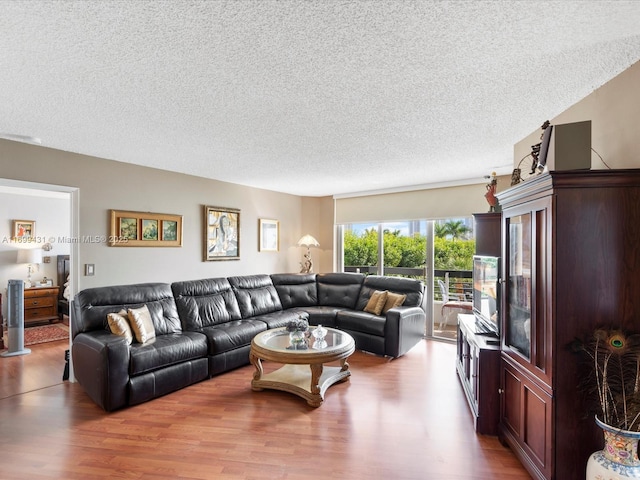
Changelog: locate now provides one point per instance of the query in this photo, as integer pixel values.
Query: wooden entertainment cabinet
(570, 263)
(478, 361)
(478, 367)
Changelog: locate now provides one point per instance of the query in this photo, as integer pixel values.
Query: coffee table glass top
(278, 339)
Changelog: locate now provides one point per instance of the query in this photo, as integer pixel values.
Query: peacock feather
(614, 359)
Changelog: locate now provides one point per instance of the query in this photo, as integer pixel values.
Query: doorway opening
(53, 213)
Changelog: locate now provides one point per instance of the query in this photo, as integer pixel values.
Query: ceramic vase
(619, 458)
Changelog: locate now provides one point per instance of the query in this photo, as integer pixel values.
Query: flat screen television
(486, 294)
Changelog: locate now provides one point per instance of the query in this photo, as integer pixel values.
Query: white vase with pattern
(619, 458)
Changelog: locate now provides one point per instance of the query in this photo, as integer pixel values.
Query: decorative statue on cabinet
(490, 195)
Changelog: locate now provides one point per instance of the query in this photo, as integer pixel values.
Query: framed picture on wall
(221, 233)
(24, 229)
(144, 229)
(169, 230)
(268, 235)
(128, 228)
(150, 229)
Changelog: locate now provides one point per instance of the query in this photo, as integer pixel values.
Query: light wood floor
(400, 419)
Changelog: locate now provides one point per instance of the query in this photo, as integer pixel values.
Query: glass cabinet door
(518, 272)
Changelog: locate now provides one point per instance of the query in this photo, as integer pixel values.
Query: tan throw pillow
(119, 325)
(141, 324)
(393, 300)
(376, 302)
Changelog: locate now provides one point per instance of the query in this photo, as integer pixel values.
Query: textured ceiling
(305, 97)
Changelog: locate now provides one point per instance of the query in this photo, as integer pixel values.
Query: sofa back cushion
(296, 290)
(202, 303)
(92, 305)
(413, 289)
(256, 295)
(339, 289)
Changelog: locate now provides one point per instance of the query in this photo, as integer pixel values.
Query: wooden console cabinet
(40, 304)
(478, 365)
(570, 263)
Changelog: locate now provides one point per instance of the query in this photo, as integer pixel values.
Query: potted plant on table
(614, 382)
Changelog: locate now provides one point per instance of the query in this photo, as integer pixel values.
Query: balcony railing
(460, 281)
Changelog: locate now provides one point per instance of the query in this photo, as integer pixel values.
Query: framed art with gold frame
(24, 229)
(268, 235)
(221, 233)
(144, 229)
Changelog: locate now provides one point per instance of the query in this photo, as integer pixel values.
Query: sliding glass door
(430, 250)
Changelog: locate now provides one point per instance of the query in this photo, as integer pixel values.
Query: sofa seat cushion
(321, 315)
(231, 335)
(281, 318)
(166, 350)
(361, 322)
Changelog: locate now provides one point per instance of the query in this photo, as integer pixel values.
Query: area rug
(45, 333)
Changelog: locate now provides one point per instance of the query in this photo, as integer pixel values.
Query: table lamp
(32, 256)
(307, 241)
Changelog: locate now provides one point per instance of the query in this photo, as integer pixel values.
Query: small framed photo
(128, 228)
(169, 230)
(221, 233)
(24, 229)
(268, 235)
(150, 230)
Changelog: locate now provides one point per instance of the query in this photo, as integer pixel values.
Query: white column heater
(15, 320)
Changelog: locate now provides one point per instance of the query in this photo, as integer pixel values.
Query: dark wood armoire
(570, 263)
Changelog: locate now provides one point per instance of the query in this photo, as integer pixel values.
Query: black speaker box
(570, 147)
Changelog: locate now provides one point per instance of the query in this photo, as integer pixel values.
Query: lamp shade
(32, 255)
(308, 241)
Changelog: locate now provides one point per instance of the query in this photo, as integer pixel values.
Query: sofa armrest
(101, 366)
(403, 329)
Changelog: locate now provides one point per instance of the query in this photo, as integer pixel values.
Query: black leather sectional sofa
(205, 327)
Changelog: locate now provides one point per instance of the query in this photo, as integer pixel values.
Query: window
(403, 248)
(402, 251)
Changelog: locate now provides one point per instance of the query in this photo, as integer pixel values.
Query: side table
(40, 304)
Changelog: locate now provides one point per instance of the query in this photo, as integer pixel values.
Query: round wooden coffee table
(303, 373)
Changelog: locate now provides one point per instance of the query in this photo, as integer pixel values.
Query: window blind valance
(434, 203)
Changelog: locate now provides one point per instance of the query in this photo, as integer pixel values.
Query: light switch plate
(89, 269)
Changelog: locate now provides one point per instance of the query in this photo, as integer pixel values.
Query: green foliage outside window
(403, 251)
(453, 254)
(361, 249)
